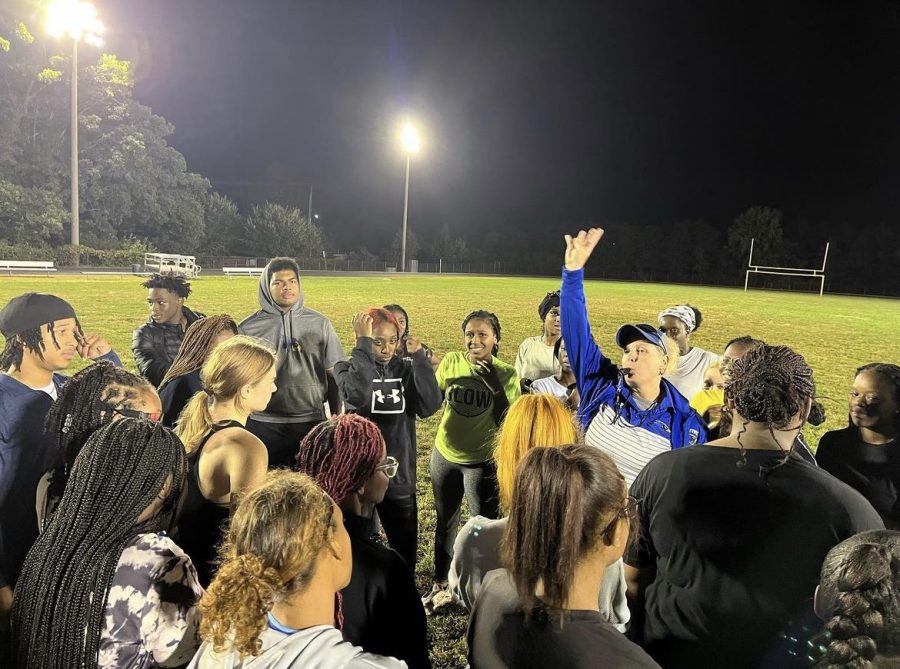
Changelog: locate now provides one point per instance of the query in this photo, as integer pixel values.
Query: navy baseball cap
(632, 332)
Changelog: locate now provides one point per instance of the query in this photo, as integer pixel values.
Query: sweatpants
(400, 520)
(282, 440)
(450, 481)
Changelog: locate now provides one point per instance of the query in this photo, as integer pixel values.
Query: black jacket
(391, 396)
(382, 609)
(155, 346)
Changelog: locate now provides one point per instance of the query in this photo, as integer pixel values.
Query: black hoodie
(391, 396)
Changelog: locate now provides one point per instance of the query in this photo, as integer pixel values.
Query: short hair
(565, 501)
(532, 421)
(381, 315)
(270, 552)
(745, 340)
(889, 373)
(174, 283)
(860, 580)
(341, 454)
(393, 308)
(281, 264)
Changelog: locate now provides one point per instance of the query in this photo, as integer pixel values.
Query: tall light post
(79, 21)
(410, 138)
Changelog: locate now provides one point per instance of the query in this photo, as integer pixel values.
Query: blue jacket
(26, 454)
(599, 380)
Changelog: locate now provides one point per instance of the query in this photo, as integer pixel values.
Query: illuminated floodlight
(410, 138)
(76, 19)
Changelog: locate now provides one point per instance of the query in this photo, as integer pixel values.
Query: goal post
(787, 271)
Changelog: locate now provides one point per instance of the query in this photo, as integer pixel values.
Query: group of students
(664, 511)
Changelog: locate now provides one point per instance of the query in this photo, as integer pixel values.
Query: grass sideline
(836, 334)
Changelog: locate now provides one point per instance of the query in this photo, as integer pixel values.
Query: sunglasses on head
(154, 417)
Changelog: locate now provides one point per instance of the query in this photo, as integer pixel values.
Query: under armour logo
(394, 396)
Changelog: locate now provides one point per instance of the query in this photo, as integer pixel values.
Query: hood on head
(264, 294)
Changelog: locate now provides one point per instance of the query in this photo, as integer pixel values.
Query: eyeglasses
(629, 511)
(154, 417)
(389, 467)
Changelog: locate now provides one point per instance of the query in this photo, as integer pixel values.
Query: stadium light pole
(79, 21)
(410, 138)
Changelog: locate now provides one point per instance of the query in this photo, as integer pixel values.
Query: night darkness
(533, 115)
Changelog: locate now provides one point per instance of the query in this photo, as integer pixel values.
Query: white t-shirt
(550, 386)
(688, 376)
(535, 359)
(50, 389)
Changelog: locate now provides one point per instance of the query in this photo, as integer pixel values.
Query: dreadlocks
(85, 404)
(174, 283)
(198, 343)
(58, 613)
(32, 340)
(341, 454)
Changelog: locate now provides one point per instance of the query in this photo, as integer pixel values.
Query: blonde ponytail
(195, 421)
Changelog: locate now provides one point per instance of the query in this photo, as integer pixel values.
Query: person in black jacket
(155, 343)
(381, 608)
(391, 391)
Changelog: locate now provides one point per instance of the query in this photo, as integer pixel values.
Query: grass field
(836, 334)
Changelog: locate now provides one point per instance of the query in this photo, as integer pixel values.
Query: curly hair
(861, 581)
(532, 421)
(341, 454)
(270, 553)
(198, 343)
(174, 283)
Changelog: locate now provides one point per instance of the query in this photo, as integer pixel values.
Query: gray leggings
(450, 481)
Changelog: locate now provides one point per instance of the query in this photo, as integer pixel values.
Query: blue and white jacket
(608, 412)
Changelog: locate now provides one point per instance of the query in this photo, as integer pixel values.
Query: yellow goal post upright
(787, 271)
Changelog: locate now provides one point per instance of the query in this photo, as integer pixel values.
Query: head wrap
(550, 300)
(32, 310)
(683, 313)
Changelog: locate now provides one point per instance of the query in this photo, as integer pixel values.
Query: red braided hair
(379, 316)
(341, 454)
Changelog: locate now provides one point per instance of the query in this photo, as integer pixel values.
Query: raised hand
(580, 247)
(413, 344)
(93, 346)
(489, 376)
(362, 325)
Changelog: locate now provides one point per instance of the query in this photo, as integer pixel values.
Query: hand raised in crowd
(362, 325)
(488, 374)
(413, 344)
(92, 346)
(580, 247)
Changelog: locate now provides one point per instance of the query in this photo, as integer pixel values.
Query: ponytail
(195, 421)
(233, 610)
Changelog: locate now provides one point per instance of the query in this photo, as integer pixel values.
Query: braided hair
(59, 608)
(891, 374)
(861, 580)
(489, 318)
(174, 283)
(33, 340)
(85, 404)
(270, 552)
(341, 454)
(771, 385)
(199, 341)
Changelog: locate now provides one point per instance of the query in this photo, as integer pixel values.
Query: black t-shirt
(737, 551)
(873, 470)
(499, 636)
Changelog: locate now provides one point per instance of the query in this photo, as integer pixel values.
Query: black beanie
(31, 311)
(550, 300)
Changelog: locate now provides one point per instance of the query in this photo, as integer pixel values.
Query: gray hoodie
(306, 345)
(320, 647)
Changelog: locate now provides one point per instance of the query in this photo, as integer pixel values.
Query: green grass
(836, 334)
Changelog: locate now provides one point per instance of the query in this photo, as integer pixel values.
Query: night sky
(533, 115)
